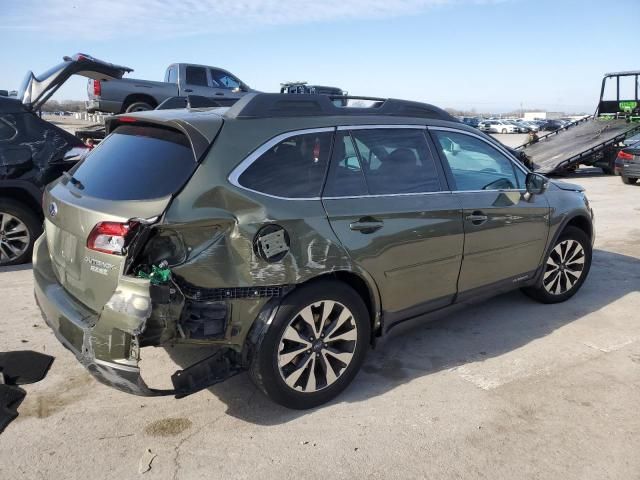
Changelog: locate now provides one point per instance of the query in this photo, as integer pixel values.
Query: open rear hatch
(35, 91)
(93, 213)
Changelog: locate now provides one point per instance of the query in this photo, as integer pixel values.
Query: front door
(387, 202)
(505, 230)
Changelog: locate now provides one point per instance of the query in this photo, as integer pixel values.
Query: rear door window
(346, 177)
(197, 76)
(396, 160)
(294, 168)
(137, 163)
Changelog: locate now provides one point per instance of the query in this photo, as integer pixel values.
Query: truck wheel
(138, 107)
(565, 268)
(629, 180)
(19, 228)
(314, 347)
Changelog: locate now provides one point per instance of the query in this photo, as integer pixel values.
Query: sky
(491, 55)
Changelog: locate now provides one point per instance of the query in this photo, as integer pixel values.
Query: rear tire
(294, 349)
(19, 228)
(629, 180)
(138, 107)
(565, 268)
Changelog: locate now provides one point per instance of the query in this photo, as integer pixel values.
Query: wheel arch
(361, 282)
(26, 196)
(138, 97)
(579, 221)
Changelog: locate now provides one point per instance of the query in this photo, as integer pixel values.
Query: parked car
(498, 126)
(289, 233)
(627, 164)
(631, 141)
(520, 128)
(532, 126)
(181, 79)
(34, 152)
(471, 121)
(552, 125)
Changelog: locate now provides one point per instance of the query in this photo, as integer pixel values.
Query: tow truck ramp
(584, 142)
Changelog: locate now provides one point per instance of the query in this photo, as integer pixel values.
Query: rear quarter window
(294, 168)
(137, 163)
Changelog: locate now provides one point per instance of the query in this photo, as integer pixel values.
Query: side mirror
(241, 88)
(536, 184)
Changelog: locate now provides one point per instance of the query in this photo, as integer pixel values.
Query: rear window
(137, 163)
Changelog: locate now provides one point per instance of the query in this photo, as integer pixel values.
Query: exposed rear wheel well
(23, 197)
(137, 97)
(583, 224)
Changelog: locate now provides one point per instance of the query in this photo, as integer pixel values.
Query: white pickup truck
(180, 80)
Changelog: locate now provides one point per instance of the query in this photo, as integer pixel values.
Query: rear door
(387, 202)
(35, 91)
(131, 175)
(196, 81)
(505, 232)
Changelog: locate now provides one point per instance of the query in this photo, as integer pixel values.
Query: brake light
(109, 237)
(97, 88)
(126, 120)
(624, 155)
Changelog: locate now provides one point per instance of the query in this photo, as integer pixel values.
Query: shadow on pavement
(464, 334)
(16, 268)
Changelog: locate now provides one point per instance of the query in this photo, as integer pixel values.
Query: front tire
(565, 269)
(19, 228)
(314, 347)
(629, 180)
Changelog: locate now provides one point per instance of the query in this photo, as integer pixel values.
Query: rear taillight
(97, 88)
(624, 155)
(110, 237)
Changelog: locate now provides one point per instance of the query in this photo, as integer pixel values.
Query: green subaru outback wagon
(289, 233)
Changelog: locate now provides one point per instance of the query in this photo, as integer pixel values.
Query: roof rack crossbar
(269, 105)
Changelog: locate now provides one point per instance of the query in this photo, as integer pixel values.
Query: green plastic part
(160, 274)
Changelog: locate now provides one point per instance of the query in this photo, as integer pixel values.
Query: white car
(497, 126)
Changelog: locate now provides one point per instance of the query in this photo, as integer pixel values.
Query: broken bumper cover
(74, 326)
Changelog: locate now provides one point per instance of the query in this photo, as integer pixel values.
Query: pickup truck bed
(577, 144)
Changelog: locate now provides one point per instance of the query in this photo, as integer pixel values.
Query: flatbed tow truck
(594, 140)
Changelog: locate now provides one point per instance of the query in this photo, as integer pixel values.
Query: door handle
(366, 225)
(220, 94)
(477, 218)
(188, 90)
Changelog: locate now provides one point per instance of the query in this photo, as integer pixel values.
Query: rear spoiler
(199, 143)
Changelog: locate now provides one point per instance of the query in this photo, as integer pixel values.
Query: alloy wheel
(14, 237)
(317, 346)
(564, 267)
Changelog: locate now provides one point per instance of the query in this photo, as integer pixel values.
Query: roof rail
(269, 105)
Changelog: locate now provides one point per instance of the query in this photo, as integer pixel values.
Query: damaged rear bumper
(111, 355)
